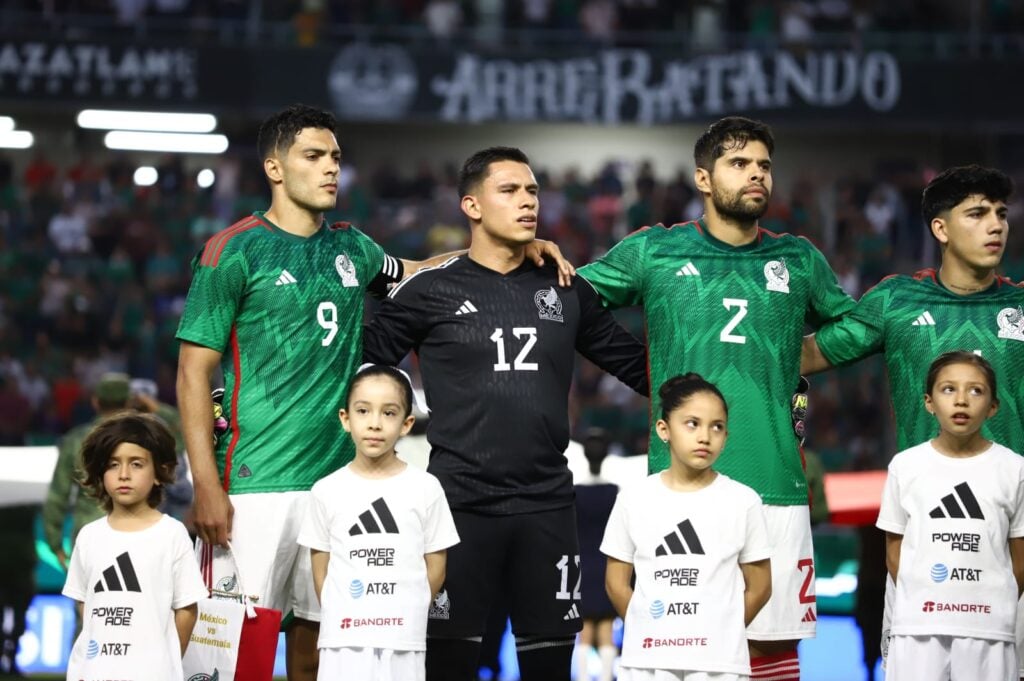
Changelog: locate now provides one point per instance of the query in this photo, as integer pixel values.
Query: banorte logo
(346, 623)
(929, 606)
(648, 642)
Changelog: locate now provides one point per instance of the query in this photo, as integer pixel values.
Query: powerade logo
(657, 609)
(939, 573)
(93, 650)
(355, 589)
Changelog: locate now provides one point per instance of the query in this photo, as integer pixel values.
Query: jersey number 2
(520, 363)
(727, 336)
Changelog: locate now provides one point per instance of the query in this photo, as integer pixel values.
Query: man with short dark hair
(727, 299)
(496, 339)
(962, 305)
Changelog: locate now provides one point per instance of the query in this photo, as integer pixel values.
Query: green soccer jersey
(735, 315)
(287, 314)
(915, 319)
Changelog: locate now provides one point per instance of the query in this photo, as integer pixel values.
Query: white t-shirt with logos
(130, 583)
(377, 531)
(955, 515)
(686, 612)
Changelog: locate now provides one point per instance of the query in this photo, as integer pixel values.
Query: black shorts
(529, 562)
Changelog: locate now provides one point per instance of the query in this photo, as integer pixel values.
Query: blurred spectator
(69, 231)
(443, 18)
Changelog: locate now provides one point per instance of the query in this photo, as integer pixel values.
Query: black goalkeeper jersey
(496, 352)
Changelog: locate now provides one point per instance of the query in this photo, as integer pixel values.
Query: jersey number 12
(519, 363)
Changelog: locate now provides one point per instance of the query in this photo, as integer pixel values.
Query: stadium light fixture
(145, 176)
(205, 178)
(156, 121)
(16, 139)
(173, 142)
(6, 124)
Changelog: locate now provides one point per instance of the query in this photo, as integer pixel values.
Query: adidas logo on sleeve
(125, 581)
(375, 520)
(684, 540)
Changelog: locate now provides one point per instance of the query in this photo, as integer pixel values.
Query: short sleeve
(891, 516)
(316, 526)
(439, 531)
(1017, 519)
(616, 542)
(755, 544)
(188, 580)
(214, 298)
(74, 585)
(618, 275)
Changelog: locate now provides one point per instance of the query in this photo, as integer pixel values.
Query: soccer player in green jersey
(964, 305)
(727, 299)
(276, 301)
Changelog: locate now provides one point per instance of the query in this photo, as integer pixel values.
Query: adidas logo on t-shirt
(967, 507)
(466, 308)
(371, 523)
(688, 270)
(674, 541)
(573, 614)
(126, 581)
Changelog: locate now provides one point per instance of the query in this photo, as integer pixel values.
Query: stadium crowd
(711, 23)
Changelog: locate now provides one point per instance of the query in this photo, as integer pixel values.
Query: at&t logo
(355, 588)
(939, 574)
(657, 609)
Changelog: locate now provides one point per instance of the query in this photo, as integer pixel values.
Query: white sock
(608, 654)
(582, 657)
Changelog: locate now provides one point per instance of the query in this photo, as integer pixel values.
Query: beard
(736, 207)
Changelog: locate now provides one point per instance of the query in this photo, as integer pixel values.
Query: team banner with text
(603, 85)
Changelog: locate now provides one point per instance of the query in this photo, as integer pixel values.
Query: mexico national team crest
(776, 276)
(548, 305)
(1011, 323)
(346, 270)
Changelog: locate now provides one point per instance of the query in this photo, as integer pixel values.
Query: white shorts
(271, 563)
(636, 674)
(379, 664)
(949, 658)
(890, 596)
(791, 612)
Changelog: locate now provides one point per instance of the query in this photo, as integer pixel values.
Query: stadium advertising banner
(609, 86)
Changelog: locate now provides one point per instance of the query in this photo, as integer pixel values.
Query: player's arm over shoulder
(858, 333)
(606, 343)
(401, 320)
(618, 275)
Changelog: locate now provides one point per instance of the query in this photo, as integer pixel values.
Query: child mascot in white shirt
(697, 542)
(378, 531)
(953, 513)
